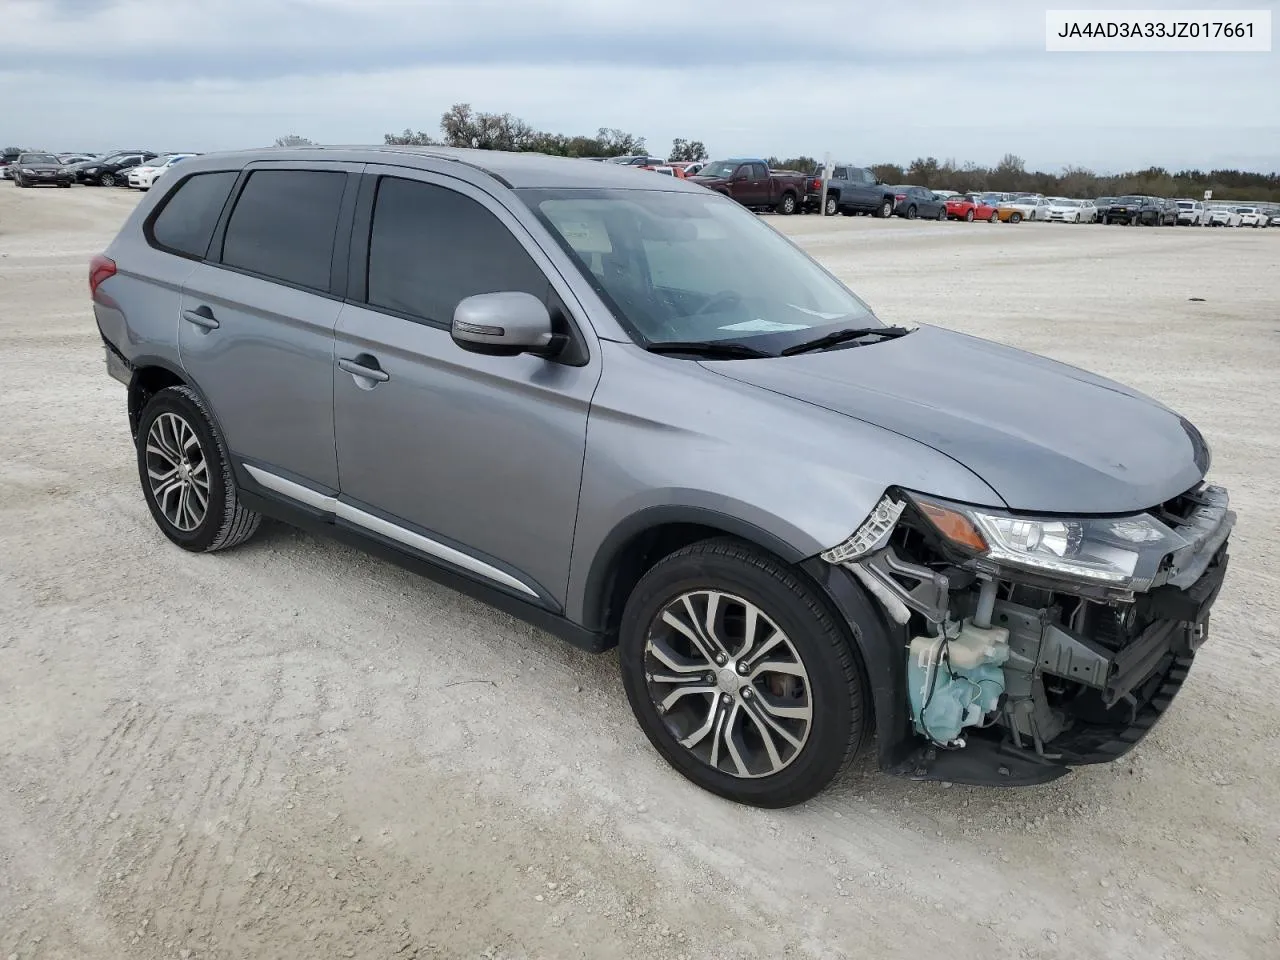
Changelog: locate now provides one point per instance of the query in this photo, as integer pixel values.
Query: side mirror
(504, 325)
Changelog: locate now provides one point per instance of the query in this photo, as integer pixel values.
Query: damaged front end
(1033, 644)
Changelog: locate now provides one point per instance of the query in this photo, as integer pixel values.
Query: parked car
(971, 207)
(912, 202)
(640, 160)
(753, 184)
(107, 171)
(997, 608)
(1168, 212)
(859, 190)
(143, 176)
(1102, 203)
(668, 170)
(7, 157)
(1190, 213)
(40, 169)
(1144, 211)
(1251, 217)
(1221, 215)
(1066, 210)
(1274, 220)
(946, 194)
(1031, 206)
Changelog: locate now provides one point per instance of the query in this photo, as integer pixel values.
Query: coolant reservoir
(957, 682)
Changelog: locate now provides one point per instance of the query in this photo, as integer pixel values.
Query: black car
(1143, 211)
(912, 202)
(35, 169)
(106, 172)
(1169, 212)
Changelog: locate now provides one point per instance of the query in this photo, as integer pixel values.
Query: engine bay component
(956, 681)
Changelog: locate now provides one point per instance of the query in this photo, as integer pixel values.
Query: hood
(1047, 437)
(709, 181)
(39, 166)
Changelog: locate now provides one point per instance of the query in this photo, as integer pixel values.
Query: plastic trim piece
(344, 511)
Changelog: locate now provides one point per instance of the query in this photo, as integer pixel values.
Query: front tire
(1015, 217)
(107, 180)
(186, 474)
(830, 209)
(740, 675)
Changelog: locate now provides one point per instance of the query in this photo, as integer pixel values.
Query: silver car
(630, 412)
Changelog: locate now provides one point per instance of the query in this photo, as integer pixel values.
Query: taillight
(900, 197)
(817, 183)
(100, 268)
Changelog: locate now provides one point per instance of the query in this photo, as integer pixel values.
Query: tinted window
(186, 221)
(283, 225)
(431, 247)
(759, 171)
(839, 173)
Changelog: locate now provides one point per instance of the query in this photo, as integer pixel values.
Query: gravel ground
(292, 749)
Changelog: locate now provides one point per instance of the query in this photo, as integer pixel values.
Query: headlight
(1123, 552)
(28, 171)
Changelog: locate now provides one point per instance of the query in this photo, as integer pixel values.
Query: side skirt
(320, 523)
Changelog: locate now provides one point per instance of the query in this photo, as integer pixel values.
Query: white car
(1275, 219)
(1191, 213)
(1067, 210)
(1031, 207)
(143, 177)
(1251, 217)
(1220, 215)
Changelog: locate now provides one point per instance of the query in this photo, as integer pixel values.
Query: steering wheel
(725, 297)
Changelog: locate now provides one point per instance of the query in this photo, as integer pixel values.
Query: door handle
(201, 317)
(358, 369)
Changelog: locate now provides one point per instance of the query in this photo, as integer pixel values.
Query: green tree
(925, 171)
(687, 150)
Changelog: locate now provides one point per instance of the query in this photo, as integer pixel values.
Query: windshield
(38, 158)
(1245, 210)
(1129, 200)
(1061, 202)
(1187, 204)
(719, 168)
(695, 266)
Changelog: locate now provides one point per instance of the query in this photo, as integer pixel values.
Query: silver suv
(627, 410)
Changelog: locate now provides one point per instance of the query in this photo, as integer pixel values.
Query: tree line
(462, 126)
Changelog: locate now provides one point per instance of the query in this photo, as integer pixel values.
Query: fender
(605, 563)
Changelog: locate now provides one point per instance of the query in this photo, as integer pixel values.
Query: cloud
(969, 81)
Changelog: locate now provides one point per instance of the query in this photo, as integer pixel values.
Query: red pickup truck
(754, 185)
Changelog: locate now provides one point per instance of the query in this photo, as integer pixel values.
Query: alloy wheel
(728, 683)
(177, 471)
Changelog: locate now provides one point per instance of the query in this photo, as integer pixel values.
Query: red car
(971, 207)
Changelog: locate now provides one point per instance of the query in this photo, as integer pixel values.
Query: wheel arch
(150, 376)
(645, 537)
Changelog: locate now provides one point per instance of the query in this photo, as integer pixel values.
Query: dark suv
(1142, 211)
(630, 412)
(853, 190)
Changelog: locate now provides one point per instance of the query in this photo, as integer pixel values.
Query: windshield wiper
(844, 336)
(711, 349)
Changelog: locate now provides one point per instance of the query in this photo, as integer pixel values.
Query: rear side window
(431, 247)
(283, 226)
(184, 224)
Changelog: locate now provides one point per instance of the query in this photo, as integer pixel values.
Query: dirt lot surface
(293, 750)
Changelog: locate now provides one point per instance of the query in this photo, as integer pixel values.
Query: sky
(866, 82)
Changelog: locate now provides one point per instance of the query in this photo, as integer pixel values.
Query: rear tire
(885, 210)
(715, 735)
(786, 205)
(186, 474)
(911, 212)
